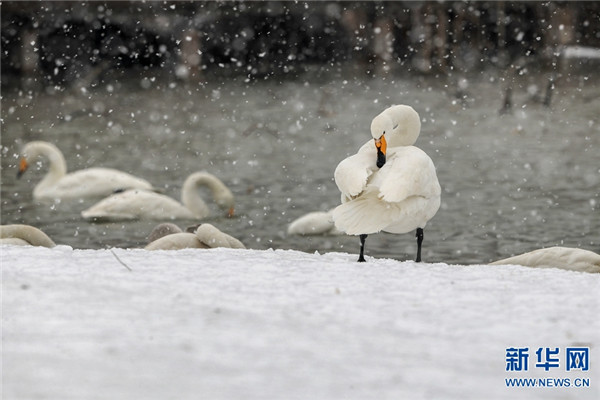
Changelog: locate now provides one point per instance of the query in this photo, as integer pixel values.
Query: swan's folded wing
(99, 181)
(134, 204)
(352, 173)
(213, 237)
(410, 173)
(365, 214)
(117, 207)
(176, 241)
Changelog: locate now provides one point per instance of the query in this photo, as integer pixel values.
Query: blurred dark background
(63, 43)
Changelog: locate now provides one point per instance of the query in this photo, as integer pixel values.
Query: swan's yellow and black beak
(23, 165)
(381, 149)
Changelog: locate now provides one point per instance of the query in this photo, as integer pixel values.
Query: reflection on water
(510, 184)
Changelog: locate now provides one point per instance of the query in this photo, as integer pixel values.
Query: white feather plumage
(399, 197)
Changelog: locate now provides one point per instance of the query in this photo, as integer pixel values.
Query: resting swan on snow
(388, 185)
(88, 182)
(205, 236)
(556, 257)
(24, 235)
(314, 223)
(140, 204)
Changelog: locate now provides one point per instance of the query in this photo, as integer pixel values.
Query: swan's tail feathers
(368, 214)
(362, 216)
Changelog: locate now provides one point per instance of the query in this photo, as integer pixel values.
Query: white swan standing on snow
(89, 182)
(314, 223)
(140, 204)
(205, 236)
(388, 185)
(568, 258)
(24, 235)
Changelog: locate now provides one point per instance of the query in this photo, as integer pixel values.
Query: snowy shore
(282, 324)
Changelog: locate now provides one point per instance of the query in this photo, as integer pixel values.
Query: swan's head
(398, 125)
(224, 198)
(226, 202)
(221, 194)
(380, 126)
(36, 149)
(23, 165)
(29, 152)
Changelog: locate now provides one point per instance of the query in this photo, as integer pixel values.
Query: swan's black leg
(361, 257)
(419, 242)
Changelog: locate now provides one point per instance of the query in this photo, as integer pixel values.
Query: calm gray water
(510, 183)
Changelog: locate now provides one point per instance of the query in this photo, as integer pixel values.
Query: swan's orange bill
(231, 212)
(381, 149)
(23, 165)
(381, 144)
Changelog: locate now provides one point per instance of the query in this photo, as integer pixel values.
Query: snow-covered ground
(249, 324)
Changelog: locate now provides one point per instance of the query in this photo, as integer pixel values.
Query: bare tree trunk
(422, 37)
(440, 39)
(502, 53)
(30, 59)
(190, 56)
(383, 43)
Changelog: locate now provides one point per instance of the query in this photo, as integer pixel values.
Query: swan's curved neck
(58, 165)
(190, 196)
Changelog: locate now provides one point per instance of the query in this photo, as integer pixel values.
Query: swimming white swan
(388, 185)
(314, 223)
(24, 235)
(140, 204)
(89, 182)
(206, 236)
(556, 257)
